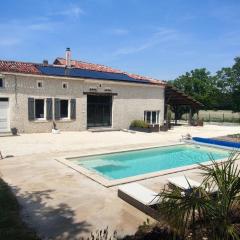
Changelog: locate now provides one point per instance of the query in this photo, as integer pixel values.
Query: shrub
(203, 212)
(102, 235)
(139, 124)
(148, 231)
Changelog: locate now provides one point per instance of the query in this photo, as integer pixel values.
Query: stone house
(76, 96)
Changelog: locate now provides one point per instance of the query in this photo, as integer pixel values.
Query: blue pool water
(132, 163)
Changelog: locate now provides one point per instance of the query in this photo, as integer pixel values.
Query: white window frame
(66, 85)
(45, 109)
(69, 108)
(8, 111)
(157, 116)
(3, 81)
(40, 81)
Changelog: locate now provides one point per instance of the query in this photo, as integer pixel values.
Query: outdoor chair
(140, 197)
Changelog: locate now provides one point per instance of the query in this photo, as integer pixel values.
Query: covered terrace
(176, 99)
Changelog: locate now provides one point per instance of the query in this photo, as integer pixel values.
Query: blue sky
(158, 38)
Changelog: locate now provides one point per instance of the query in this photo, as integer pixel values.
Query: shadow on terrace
(57, 222)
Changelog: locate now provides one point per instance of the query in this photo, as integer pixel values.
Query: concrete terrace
(59, 202)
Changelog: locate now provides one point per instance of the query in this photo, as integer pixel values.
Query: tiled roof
(18, 67)
(33, 68)
(87, 66)
(102, 68)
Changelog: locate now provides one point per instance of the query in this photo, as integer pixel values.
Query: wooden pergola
(175, 98)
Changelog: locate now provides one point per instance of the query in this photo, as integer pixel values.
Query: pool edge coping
(111, 183)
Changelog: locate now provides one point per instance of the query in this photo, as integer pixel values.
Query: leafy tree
(228, 83)
(200, 85)
(221, 91)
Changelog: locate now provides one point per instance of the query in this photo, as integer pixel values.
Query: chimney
(45, 62)
(68, 57)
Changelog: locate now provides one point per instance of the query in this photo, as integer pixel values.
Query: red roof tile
(87, 66)
(18, 67)
(23, 67)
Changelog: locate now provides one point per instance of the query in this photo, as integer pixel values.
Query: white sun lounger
(139, 197)
(183, 182)
(186, 183)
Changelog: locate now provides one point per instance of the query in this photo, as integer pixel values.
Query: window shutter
(57, 108)
(30, 109)
(49, 109)
(73, 109)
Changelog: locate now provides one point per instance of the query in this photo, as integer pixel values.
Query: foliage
(11, 225)
(139, 124)
(212, 210)
(102, 235)
(199, 84)
(224, 209)
(219, 91)
(228, 83)
(148, 231)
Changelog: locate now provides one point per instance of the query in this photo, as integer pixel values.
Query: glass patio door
(99, 111)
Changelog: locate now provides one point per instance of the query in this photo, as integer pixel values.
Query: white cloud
(17, 31)
(41, 26)
(120, 31)
(71, 11)
(8, 42)
(20, 31)
(160, 36)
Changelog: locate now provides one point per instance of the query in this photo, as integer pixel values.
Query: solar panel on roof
(83, 73)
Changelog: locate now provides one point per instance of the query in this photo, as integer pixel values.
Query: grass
(219, 116)
(11, 225)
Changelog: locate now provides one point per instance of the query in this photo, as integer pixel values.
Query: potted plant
(200, 122)
(141, 126)
(14, 131)
(54, 129)
(154, 127)
(164, 128)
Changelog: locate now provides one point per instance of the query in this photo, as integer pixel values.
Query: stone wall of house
(130, 102)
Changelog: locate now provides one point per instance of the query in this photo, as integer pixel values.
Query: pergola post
(190, 116)
(168, 117)
(176, 114)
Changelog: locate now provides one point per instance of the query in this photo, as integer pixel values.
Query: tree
(228, 83)
(200, 85)
(221, 91)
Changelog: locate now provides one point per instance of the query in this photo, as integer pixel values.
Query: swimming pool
(133, 163)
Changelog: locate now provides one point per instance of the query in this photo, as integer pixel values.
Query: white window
(64, 85)
(2, 85)
(64, 108)
(39, 107)
(151, 117)
(40, 84)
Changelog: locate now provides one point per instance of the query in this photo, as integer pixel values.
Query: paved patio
(59, 202)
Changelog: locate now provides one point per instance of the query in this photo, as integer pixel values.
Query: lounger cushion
(183, 182)
(140, 193)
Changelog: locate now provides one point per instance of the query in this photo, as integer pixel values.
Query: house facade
(76, 96)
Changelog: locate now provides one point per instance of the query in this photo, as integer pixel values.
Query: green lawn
(11, 225)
